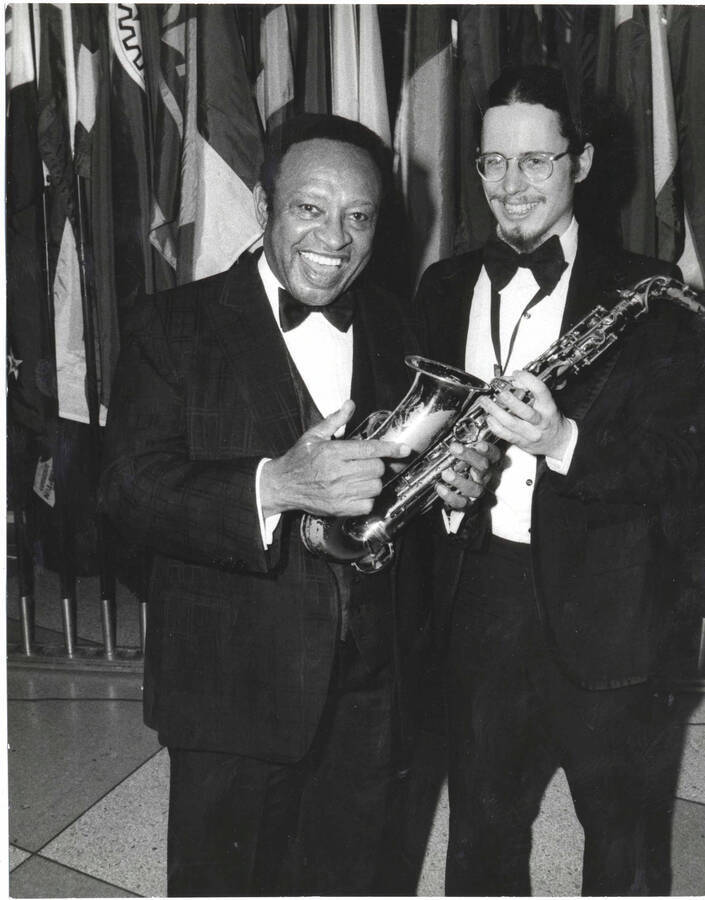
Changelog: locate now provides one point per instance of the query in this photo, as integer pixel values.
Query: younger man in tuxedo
(561, 581)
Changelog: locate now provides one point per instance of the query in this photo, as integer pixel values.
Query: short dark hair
(544, 85)
(321, 126)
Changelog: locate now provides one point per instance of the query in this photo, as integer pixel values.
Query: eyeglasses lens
(535, 166)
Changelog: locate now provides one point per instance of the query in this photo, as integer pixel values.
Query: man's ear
(584, 163)
(261, 204)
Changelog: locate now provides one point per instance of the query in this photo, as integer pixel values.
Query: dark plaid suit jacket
(604, 565)
(240, 639)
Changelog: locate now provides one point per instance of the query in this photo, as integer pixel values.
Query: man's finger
(374, 449)
(325, 430)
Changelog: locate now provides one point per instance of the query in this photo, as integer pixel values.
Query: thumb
(325, 430)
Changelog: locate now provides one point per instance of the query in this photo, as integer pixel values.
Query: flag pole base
(92, 659)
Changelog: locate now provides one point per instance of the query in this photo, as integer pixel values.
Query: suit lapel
(457, 327)
(380, 378)
(250, 340)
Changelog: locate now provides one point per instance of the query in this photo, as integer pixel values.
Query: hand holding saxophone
(325, 477)
(467, 479)
(534, 425)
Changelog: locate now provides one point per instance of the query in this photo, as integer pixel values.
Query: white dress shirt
(538, 329)
(323, 356)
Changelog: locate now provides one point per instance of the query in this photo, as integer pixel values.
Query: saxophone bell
(435, 401)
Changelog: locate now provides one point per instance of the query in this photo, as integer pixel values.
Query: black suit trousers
(248, 827)
(514, 718)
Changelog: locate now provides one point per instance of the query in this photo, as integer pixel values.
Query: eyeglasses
(536, 165)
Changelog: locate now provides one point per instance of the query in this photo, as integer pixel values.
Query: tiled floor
(88, 786)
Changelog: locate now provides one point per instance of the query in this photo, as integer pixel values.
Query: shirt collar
(270, 283)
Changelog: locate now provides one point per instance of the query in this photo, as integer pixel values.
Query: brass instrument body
(367, 541)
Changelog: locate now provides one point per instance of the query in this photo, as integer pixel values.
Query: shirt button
(529, 482)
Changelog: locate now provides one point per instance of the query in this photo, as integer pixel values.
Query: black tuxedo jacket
(240, 639)
(603, 562)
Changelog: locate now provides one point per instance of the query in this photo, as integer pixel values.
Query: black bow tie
(292, 312)
(546, 263)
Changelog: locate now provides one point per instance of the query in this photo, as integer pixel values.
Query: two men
(274, 678)
(562, 579)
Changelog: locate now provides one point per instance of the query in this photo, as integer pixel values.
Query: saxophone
(442, 407)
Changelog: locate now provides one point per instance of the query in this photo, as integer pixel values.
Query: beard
(522, 243)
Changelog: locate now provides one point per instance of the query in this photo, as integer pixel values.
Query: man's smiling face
(528, 214)
(320, 224)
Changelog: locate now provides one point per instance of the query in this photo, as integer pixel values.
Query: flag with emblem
(138, 271)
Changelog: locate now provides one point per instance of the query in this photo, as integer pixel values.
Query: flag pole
(105, 569)
(67, 571)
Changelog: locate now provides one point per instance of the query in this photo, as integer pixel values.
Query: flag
(275, 79)
(344, 60)
(372, 92)
(358, 85)
(57, 118)
(479, 66)
(669, 227)
(632, 87)
(424, 134)
(164, 46)
(312, 69)
(135, 270)
(222, 147)
(93, 164)
(686, 39)
(30, 365)
(521, 29)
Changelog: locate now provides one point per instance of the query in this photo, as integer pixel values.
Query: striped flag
(358, 86)
(222, 148)
(424, 134)
(275, 79)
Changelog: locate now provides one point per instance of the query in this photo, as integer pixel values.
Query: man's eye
(308, 209)
(535, 162)
(359, 217)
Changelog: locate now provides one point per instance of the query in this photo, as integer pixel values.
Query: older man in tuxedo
(275, 678)
(561, 582)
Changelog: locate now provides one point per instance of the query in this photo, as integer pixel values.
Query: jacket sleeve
(650, 445)
(198, 510)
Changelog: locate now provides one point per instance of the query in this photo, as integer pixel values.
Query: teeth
(519, 208)
(332, 261)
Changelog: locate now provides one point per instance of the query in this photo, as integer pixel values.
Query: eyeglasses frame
(552, 158)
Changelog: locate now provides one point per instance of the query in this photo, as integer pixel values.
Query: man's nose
(332, 232)
(514, 179)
